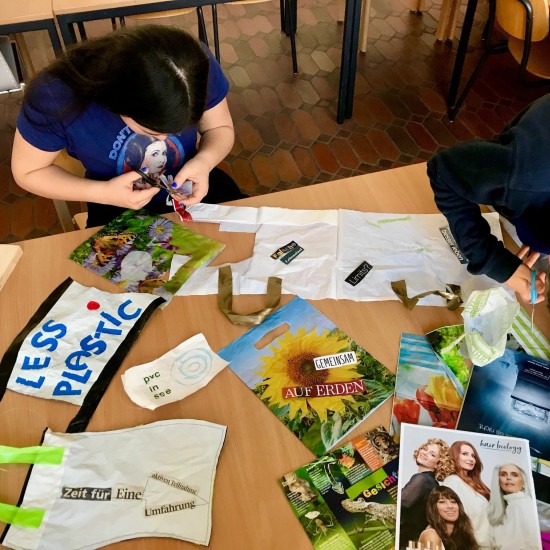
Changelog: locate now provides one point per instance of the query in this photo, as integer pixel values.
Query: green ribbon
(23, 517)
(31, 455)
(452, 295)
(27, 517)
(225, 299)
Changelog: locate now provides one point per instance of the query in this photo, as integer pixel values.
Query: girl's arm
(217, 136)
(34, 171)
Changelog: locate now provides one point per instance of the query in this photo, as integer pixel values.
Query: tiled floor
(286, 133)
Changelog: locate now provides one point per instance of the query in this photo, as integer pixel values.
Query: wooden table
(249, 509)
(29, 15)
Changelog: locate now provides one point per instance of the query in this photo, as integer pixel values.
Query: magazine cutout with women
(468, 499)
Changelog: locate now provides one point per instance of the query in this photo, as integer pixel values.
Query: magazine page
(312, 376)
(447, 342)
(143, 252)
(461, 490)
(510, 396)
(424, 391)
(345, 500)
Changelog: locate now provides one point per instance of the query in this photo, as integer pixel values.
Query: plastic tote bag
(155, 480)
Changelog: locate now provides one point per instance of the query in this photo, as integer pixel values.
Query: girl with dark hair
(466, 482)
(449, 526)
(154, 81)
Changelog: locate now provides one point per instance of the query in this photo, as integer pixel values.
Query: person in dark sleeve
(511, 174)
(434, 464)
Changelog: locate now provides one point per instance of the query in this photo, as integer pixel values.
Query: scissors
(163, 183)
(534, 294)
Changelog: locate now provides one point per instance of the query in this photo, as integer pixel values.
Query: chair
(9, 81)
(526, 26)
(203, 36)
(67, 221)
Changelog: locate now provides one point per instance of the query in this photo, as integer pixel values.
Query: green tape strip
(24, 517)
(31, 455)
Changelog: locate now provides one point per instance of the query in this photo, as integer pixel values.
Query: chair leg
(82, 31)
(283, 18)
(527, 41)
(64, 215)
(216, 34)
(203, 37)
(291, 23)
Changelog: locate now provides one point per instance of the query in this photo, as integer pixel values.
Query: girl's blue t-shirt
(102, 142)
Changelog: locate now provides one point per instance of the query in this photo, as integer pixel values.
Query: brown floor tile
(383, 144)
(5, 225)
(265, 170)
(286, 166)
(22, 217)
(305, 124)
(248, 135)
(344, 153)
(305, 161)
(325, 158)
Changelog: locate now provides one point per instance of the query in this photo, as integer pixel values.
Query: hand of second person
(197, 171)
(120, 191)
(520, 281)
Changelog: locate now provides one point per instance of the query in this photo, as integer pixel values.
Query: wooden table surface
(23, 11)
(249, 509)
(61, 7)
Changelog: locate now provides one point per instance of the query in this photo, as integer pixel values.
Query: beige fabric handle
(225, 299)
(452, 295)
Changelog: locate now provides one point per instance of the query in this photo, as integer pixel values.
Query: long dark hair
(156, 75)
(462, 537)
(473, 478)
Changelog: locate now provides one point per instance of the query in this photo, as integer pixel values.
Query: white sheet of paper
(177, 374)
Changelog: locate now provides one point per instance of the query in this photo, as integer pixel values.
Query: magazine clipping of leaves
(144, 252)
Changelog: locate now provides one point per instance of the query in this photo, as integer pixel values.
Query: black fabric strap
(92, 399)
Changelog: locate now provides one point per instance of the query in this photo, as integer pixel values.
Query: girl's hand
(120, 191)
(197, 171)
(520, 281)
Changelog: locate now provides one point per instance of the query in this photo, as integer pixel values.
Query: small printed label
(284, 249)
(358, 274)
(326, 390)
(288, 257)
(336, 360)
(86, 493)
(447, 235)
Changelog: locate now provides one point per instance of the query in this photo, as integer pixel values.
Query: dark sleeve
(414, 490)
(218, 85)
(40, 120)
(462, 178)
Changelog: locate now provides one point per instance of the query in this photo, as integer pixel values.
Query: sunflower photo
(316, 380)
(143, 252)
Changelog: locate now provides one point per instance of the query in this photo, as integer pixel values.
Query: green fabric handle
(24, 517)
(31, 455)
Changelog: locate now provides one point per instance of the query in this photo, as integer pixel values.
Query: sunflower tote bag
(73, 345)
(155, 480)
